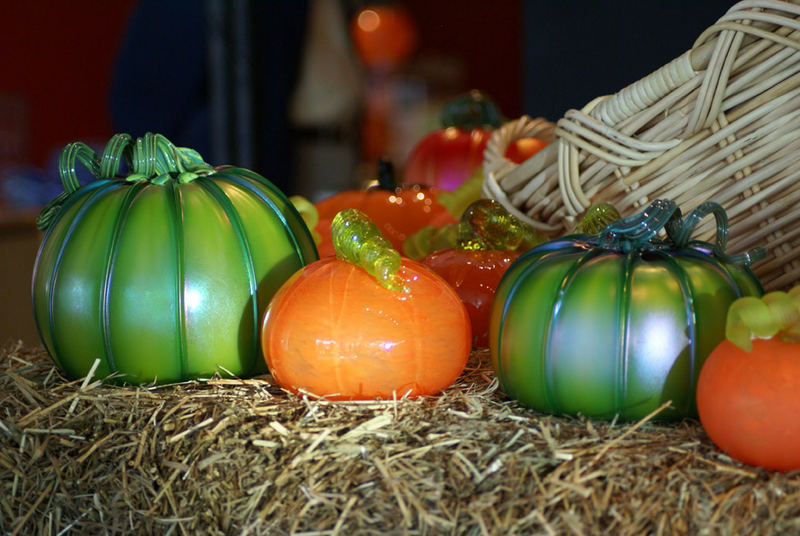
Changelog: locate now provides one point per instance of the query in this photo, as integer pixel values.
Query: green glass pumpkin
(617, 323)
(162, 274)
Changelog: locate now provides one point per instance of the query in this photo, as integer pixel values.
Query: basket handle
(709, 64)
(649, 90)
(501, 138)
(713, 51)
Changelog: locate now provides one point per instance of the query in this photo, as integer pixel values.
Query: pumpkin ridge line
(177, 219)
(623, 313)
(111, 260)
(688, 293)
(287, 226)
(222, 199)
(566, 282)
(504, 313)
(87, 202)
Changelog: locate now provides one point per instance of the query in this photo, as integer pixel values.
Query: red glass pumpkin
(474, 274)
(489, 239)
(447, 157)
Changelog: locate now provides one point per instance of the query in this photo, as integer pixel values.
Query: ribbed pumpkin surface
(580, 328)
(165, 282)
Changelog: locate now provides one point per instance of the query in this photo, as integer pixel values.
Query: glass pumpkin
(748, 392)
(162, 274)
(446, 157)
(489, 240)
(383, 35)
(451, 154)
(474, 274)
(339, 329)
(398, 211)
(617, 323)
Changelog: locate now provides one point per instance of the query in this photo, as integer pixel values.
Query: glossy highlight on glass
(162, 273)
(619, 322)
(337, 330)
(488, 240)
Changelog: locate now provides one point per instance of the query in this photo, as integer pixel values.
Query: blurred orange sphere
(384, 36)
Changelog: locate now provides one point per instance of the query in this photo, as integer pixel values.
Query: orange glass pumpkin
(397, 211)
(337, 330)
(748, 391)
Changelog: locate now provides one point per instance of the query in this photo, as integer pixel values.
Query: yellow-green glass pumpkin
(161, 266)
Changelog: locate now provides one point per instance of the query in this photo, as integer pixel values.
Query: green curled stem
(639, 232)
(358, 240)
(151, 158)
(486, 224)
(774, 314)
(72, 154)
(472, 110)
(597, 218)
(117, 149)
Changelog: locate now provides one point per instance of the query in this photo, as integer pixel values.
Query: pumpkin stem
(152, 157)
(639, 232)
(359, 241)
(486, 224)
(156, 159)
(471, 110)
(76, 151)
(597, 218)
(775, 313)
(386, 176)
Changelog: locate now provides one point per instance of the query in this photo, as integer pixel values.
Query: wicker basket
(720, 123)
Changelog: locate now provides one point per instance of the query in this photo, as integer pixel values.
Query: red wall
(485, 36)
(56, 59)
(58, 55)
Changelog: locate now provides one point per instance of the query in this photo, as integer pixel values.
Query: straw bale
(229, 456)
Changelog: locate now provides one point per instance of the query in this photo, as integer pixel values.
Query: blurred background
(308, 93)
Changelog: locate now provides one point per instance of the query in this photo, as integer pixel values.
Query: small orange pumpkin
(397, 211)
(748, 391)
(385, 328)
